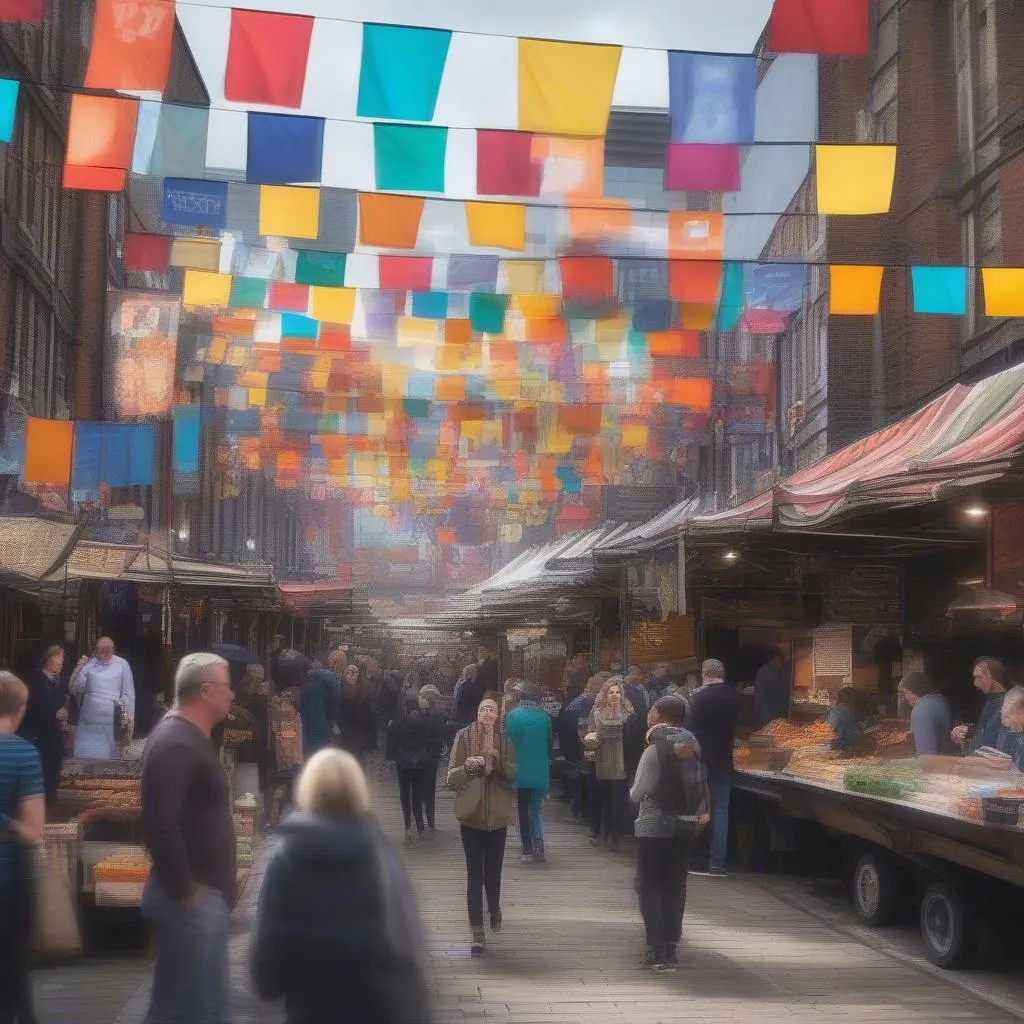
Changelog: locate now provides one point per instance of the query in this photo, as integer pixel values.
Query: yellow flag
(197, 253)
(566, 88)
(333, 305)
(855, 179)
(497, 225)
(1004, 291)
(289, 211)
(525, 277)
(206, 290)
(634, 435)
(854, 290)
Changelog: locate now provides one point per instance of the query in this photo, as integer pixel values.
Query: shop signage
(626, 503)
(864, 593)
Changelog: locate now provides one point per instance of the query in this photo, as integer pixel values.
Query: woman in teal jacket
(529, 728)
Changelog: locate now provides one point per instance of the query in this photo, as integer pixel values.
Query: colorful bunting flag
(333, 305)
(409, 158)
(837, 27)
(566, 88)
(695, 281)
(430, 305)
(406, 273)
(940, 290)
(497, 225)
(586, 278)
(48, 445)
(267, 56)
(1004, 291)
(289, 212)
(8, 107)
(487, 312)
(730, 309)
(288, 298)
(28, 12)
(196, 253)
(320, 268)
(284, 149)
(389, 222)
(179, 141)
(191, 203)
(711, 97)
(599, 218)
(700, 167)
(504, 164)
(187, 420)
(854, 290)
(695, 236)
(855, 179)
(146, 252)
(206, 290)
(400, 71)
(248, 292)
(573, 168)
(131, 45)
(473, 273)
(101, 142)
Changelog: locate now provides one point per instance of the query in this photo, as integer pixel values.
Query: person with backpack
(672, 791)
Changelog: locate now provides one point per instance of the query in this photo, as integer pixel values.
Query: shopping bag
(55, 931)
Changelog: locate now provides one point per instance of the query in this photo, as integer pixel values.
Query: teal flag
(248, 293)
(400, 72)
(731, 308)
(326, 269)
(487, 312)
(409, 158)
(8, 107)
(940, 290)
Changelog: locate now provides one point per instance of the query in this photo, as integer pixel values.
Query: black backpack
(682, 781)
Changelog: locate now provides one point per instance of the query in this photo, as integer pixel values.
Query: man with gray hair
(714, 713)
(187, 828)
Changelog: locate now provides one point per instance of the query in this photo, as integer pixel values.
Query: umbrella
(236, 654)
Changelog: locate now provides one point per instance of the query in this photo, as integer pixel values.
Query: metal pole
(624, 617)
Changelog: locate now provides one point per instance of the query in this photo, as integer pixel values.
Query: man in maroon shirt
(186, 821)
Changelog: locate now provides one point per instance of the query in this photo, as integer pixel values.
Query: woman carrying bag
(482, 772)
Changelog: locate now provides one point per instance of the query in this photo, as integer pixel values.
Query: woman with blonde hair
(609, 724)
(482, 771)
(337, 934)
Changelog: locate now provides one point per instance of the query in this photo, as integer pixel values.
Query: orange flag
(131, 45)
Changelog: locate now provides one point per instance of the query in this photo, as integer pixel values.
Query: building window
(41, 357)
(988, 67)
(964, 81)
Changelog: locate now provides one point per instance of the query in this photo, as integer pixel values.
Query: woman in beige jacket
(604, 745)
(482, 772)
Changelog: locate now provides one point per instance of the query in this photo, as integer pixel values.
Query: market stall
(949, 829)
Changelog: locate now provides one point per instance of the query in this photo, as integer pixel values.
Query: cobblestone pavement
(568, 949)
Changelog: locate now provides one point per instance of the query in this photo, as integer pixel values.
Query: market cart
(946, 831)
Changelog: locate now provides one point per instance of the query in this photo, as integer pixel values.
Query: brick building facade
(945, 82)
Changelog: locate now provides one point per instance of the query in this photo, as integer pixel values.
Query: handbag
(121, 717)
(470, 798)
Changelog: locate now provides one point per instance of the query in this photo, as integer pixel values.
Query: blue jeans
(721, 789)
(190, 972)
(531, 825)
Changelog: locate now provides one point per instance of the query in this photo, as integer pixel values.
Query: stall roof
(305, 597)
(966, 436)
(753, 514)
(33, 549)
(663, 529)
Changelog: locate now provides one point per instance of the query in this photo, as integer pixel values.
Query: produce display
(986, 789)
(123, 867)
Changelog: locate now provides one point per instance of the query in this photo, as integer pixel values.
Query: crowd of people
(648, 756)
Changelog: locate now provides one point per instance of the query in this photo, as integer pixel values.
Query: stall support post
(624, 617)
(595, 640)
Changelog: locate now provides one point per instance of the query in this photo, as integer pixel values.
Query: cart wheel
(947, 926)
(874, 889)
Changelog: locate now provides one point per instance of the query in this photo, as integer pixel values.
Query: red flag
(267, 56)
(146, 252)
(26, 11)
(504, 166)
(409, 273)
(819, 26)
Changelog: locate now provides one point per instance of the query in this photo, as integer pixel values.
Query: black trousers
(430, 790)
(485, 852)
(609, 799)
(15, 985)
(410, 792)
(662, 865)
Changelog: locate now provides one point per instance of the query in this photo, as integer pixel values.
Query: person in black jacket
(42, 725)
(408, 741)
(337, 933)
(431, 704)
(355, 718)
(570, 726)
